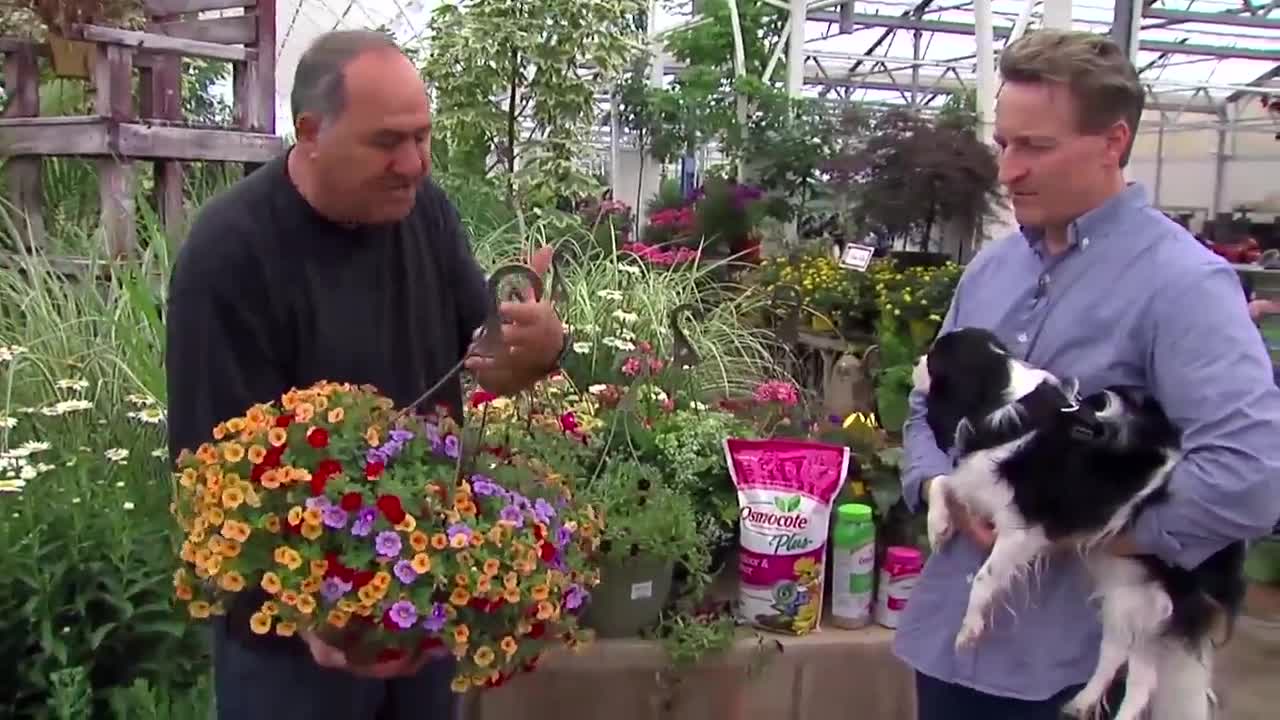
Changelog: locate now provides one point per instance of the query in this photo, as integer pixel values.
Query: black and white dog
(1052, 470)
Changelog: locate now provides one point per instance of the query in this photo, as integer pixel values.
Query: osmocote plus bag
(785, 493)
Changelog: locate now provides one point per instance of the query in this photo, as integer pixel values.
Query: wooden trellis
(147, 126)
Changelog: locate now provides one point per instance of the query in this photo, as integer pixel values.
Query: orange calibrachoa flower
(350, 515)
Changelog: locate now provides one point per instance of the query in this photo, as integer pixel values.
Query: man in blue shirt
(1101, 286)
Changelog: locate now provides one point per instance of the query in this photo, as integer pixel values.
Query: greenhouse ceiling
(1194, 53)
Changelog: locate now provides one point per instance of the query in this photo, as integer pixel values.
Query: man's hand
(947, 516)
(329, 656)
(531, 342)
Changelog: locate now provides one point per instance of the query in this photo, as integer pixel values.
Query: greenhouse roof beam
(1003, 31)
(1218, 18)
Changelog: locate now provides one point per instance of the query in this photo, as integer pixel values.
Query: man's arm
(924, 460)
(1210, 371)
(221, 354)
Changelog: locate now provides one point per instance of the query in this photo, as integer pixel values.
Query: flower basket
(383, 534)
(630, 596)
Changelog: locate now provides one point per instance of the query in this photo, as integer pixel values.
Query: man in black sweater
(341, 261)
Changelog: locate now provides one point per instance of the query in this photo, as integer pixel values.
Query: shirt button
(1084, 242)
(1022, 337)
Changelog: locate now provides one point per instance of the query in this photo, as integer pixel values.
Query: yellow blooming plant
(838, 294)
(914, 298)
(390, 534)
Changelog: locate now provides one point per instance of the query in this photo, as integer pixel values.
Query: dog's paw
(969, 633)
(1082, 708)
(939, 518)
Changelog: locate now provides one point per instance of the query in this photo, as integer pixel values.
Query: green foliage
(643, 514)
(494, 63)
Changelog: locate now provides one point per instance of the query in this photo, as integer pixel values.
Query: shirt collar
(1133, 197)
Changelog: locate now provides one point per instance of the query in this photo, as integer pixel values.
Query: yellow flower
(439, 541)
(418, 540)
(306, 604)
(304, 411)
(233, 452)
(336, 414)
(286, 629)
(460, 597)
(338, 618)
(461, 634)
(256, 454)
(260, 623)
(198, 609)
(460, 685)
(483, 656)
(421, 563)
(232, 497)
(277, 436)
(270, 582)
(231, 581)
(509, 645)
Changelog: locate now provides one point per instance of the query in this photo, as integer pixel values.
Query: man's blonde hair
(1093, 68)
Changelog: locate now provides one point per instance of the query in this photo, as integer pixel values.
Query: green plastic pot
(1262, 563)
(630, 596)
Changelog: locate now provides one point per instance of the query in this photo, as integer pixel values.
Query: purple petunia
(332, 589)
(451, 446)
(387, 543)
(435, 622)
(404, 614)
(404, 572)
(334, 517)
(364, 522)
(458, 529)
(563, 535)
(574, 596)
(318, 502)
(543, 510)
(484, 486)
(512, 514)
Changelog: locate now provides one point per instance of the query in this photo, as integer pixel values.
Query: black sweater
(267, 295)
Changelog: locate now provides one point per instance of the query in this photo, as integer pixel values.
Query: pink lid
(903, 556)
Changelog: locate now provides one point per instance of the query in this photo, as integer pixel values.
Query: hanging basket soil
(71, 58)
(630, 596)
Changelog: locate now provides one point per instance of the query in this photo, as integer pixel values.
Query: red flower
(362, 578)
(374, 469)
(547, 552)
(283, 421)
(391, 509)
(568, 422)
(318, 437)
(538, 630)
(325, 469)
(389, 654)
(351, 501)
(480, 397)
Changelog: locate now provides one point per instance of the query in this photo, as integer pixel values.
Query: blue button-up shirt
(1135, 300)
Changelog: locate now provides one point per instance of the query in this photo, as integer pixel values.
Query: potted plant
(649, 527)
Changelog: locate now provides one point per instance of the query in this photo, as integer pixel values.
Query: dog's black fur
(1080, 465)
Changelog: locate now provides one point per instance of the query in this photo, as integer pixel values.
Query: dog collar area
(1047, 404)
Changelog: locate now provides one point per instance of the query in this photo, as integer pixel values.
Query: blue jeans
(283, 683)
(938, 700)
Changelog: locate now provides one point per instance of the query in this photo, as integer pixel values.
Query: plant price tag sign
(856, 257)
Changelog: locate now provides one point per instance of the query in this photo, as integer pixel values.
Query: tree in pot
(648, 528)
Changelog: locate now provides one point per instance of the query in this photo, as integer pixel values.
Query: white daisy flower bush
(85, 576)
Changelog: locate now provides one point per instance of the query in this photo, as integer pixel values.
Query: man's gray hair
(319, 84)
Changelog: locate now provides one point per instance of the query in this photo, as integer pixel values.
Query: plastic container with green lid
(853, 566)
